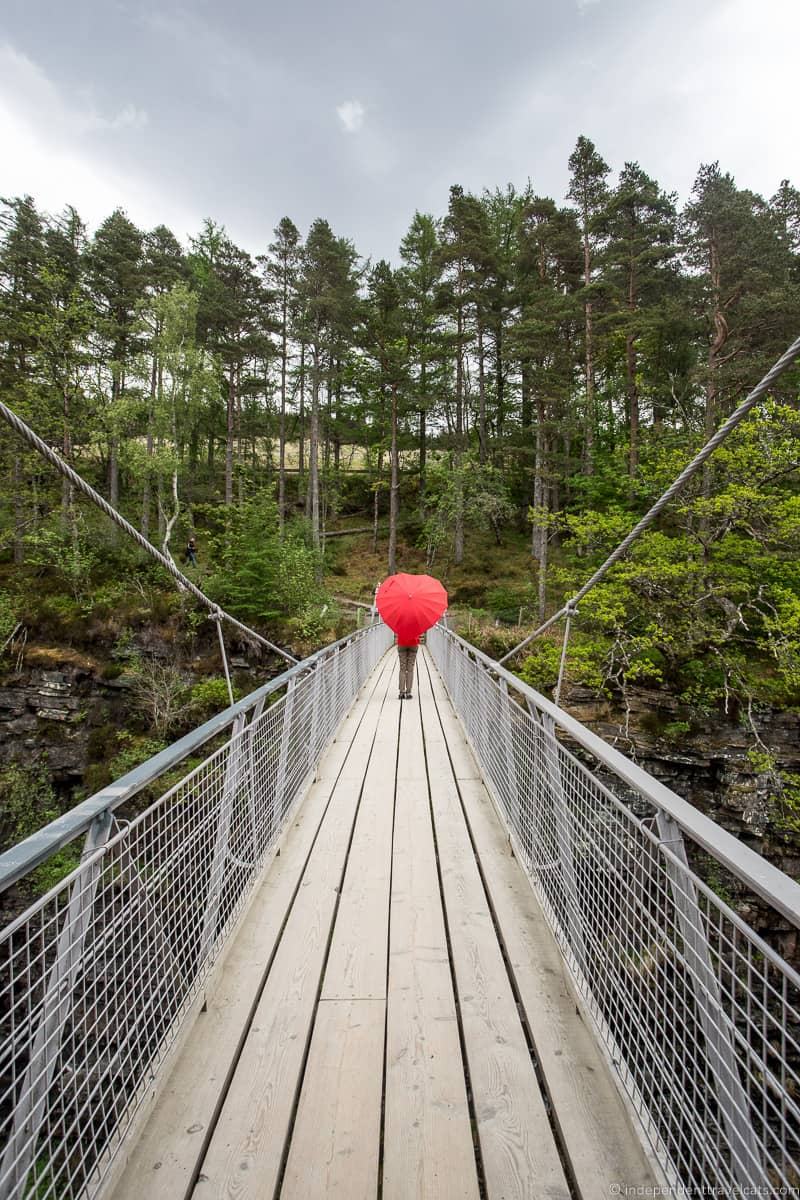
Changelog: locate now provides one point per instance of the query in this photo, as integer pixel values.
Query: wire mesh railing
(699, 1015)
(97, 975)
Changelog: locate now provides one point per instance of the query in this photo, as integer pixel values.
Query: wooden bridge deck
(392, 1019)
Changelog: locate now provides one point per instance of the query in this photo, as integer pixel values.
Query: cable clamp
(571, 608)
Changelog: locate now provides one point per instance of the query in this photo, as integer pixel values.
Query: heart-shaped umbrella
(410, 604)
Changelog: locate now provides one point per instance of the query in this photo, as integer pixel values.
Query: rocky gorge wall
(709, 762)
(64, 709)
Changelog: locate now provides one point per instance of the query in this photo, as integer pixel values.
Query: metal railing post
(508, 750)
(30, 1105)
(718, 1028)
(316, 701)
(216, 878)
(283, 754)
(565, 840)
(252, 798)
(332, 686)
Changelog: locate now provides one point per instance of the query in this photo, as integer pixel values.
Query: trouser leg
(401, 654)
(408, 656)
(412, 658)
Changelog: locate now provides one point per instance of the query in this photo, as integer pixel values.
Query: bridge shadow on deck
(392, 1018)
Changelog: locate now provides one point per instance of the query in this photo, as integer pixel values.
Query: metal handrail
(766, 880)
(697, 1012)
(39, 846)
(99, 974)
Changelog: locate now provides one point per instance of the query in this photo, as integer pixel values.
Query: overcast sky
(362, 111)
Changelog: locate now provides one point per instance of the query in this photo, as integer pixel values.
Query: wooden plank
(518, 1151)
(336, 1139)
(601, 1144)
(428, 1150)
(357, 962)
(163, 1160)
(345, 755)
(245, 1152)
(464, 765)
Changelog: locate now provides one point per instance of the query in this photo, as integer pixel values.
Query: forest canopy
(526, 368)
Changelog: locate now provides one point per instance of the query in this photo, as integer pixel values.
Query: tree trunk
(113, 473)
(542, 583)
(170, 523)
(282, 417)
(117, 387)
(500, 383)
(229, 435)
(160, 499)
(239, 445)
(590, 416)
(67, 488)
(301, 449)
(18, 492)
(482, 439)
(539, 534)
(631, 385)
(719, 339)
(458, 540)
(313, 450)
(716, 344)
(376, 507)
(393, 489)
(194, 453)
(633, 402)
(337, 417)
(147, 484)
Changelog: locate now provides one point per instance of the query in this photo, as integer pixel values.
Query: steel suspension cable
(784, 362)
(33, 439)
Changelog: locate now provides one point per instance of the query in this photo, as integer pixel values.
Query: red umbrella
(410, 604)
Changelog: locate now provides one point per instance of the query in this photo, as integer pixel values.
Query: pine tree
(117, 283)
(461, 242)
(164, 266)
(22, 302)
(233, 322)
(589, 191)
(548, 279)
(282, 271)
(639, 224)
(733, 243)
(419, 281)
(318, 270)
(503, 213)
(63, 334)
(389, 346)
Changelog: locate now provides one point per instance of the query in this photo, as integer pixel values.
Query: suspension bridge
(450, 947)
(332, 944)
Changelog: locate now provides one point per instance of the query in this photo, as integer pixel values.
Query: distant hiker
(407, 655)
(191, 552)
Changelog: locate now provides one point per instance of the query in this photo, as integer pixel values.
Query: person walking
(191, 552)
(410, 605)
(408, 657)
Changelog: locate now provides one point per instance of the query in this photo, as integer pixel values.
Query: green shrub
(209, 697)
(539, 669)
(28, 802)
(132, 752)
(9, 617)
(257, 574)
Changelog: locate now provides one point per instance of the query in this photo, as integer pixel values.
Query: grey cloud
(241, 102)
